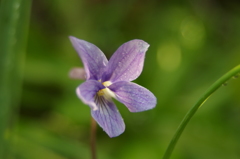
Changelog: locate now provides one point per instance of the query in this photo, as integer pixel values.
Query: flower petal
(77, 73)
(136, 98)
(87, 92)
(127, 62)
(93, 59)
(108, 117)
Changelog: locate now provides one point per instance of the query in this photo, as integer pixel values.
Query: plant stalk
(93, 138)
(221, 81)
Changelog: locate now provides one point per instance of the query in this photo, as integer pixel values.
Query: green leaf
(14, 22)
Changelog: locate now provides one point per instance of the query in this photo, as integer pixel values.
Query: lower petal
(108, 117)
(135, 97)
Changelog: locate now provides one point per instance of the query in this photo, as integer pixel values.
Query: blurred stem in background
(93, 138)
(221, 81)
(14, 22)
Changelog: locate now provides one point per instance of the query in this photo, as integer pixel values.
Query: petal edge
(109, 118)
(93, 59)
(135, 97)
(126, 63)
(87, 92)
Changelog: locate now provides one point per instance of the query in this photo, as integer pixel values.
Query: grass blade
(14, 22)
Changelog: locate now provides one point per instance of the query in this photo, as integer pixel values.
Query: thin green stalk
(93, 139)
(199, 103)
(14, 22)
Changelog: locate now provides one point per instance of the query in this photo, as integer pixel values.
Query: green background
(192, 44)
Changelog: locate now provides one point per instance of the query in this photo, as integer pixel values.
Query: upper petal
(136, 98)
(127, 62)
(87, 92)
(108, 117)
(93, 59)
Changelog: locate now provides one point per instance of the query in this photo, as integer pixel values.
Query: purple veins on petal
(108, 117)
(93, 59)
(105, 80)
(87, 92)
(135, 97)
(126, 63)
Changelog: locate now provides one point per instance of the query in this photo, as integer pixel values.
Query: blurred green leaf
(191, 44)
(14, 20)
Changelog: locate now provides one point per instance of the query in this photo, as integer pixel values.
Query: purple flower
(106, 79)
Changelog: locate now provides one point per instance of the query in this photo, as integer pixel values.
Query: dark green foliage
(192, 44)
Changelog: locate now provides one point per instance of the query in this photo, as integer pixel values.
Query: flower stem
(221, 81)
(93, 138)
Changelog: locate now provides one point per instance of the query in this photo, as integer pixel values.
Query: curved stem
(93, 138)
(199, 103)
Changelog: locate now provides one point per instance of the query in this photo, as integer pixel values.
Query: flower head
(112, 79)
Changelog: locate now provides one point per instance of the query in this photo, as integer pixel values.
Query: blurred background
(192, 44)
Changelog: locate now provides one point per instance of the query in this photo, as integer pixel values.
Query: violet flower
(106, 79)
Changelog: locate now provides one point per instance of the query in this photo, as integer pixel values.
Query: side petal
(108, 117)
(87, 92)
(126, 64)
(136, 98)
(93, 59)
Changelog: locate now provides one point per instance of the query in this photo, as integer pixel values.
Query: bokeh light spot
(193, 32)
(169, 56)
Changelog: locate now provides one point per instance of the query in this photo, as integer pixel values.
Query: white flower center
(105, 92)
(107, 83)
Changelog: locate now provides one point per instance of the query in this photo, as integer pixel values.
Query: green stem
(199, 103)
(14, 20)
(93, 139)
